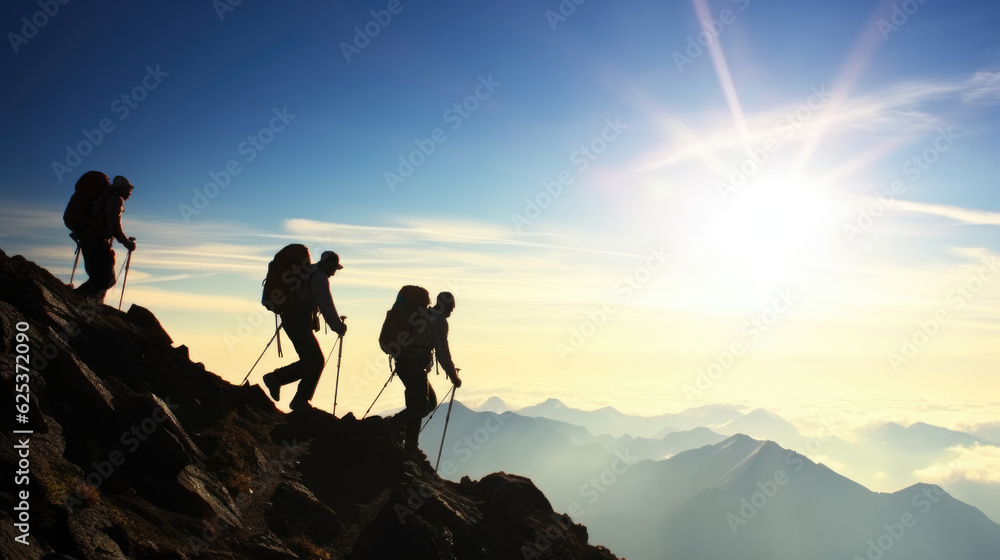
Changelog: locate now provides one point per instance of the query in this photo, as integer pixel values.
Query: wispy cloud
(159, 299)
(965, 215)
(486, 258)
(979, 463)
(900, 111)
(982, 87)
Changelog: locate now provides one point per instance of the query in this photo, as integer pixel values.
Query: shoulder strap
(99, 203)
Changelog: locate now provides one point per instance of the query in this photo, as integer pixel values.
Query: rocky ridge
(136, 452)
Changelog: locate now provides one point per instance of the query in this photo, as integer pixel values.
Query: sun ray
(857, 60)
(859, 162)
(722, 70)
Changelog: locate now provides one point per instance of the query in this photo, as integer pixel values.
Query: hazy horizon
(782, 205)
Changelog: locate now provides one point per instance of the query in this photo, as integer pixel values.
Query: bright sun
(770, 226)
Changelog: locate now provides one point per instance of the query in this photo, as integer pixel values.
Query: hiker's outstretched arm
(320, 287)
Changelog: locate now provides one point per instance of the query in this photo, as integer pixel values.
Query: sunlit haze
(784, 205)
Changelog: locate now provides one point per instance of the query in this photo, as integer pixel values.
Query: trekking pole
(340, 353)
(392, 373)
(121, 270)
(276, 331)
(445, 432)
(128, 263)
(429, 418)
(76, 261)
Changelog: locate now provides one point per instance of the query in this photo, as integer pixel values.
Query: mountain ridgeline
(130, 450)
(127, 449)
(697, 493)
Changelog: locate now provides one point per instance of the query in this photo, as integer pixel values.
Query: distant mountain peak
(493, 404)
(552, 402)
(763, 413)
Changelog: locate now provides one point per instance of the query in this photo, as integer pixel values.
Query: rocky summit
(121, 447)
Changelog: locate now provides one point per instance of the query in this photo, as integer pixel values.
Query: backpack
(397, 335)
(78, 216)
(286, 273)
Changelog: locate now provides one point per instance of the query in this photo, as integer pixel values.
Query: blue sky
(653, 188)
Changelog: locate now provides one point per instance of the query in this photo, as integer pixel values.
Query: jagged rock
(148, 323)
(16, 551)
(268, 547)
(296, 510)
(171, 423)
(9, 317)
(211, 493)
(87, 531)
(511, 495)
(224, 474)
(80, 380)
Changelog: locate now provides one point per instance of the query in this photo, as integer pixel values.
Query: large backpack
(286, 273)
(401, 321)
(78, 216)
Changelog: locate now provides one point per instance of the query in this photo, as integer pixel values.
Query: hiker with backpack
(410, 333)
(94, 218)
(294, 289)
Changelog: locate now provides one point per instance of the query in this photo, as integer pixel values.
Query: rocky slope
(137, 452)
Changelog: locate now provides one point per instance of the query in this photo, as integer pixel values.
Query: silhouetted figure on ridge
(94, 216)
(299, 324)
(410, 334)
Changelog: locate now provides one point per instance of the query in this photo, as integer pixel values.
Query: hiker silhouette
(94, 218)
(298, 319)
(411, 347)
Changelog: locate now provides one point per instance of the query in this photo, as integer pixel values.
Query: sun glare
(770, 226)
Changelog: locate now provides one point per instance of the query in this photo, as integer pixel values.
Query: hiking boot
(299, 405)
(273, 388)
